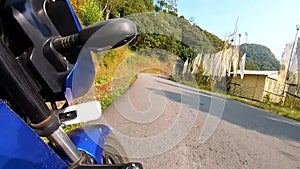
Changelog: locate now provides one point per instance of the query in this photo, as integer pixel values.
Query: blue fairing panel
(91, 139)
(21, 147)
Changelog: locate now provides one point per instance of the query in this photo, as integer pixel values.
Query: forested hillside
(159, 25)
(259, 57)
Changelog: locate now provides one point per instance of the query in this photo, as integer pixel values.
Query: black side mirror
(108, 34)
(105, 35)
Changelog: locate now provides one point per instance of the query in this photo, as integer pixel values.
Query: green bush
(90, 12)
(103, 79)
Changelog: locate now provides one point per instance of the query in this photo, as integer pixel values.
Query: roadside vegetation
(287, 109)
(115, 72)
(281, 109)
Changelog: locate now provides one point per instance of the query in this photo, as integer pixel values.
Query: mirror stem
(63, 44)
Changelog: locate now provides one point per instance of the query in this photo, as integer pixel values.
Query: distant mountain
(259, 57)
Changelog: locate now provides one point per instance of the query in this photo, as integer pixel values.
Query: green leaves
(90, 12)
(121, 8)
(169, 6)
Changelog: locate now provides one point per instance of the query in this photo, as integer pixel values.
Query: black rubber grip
(64, 44)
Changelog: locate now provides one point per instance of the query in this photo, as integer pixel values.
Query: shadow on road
(235, 112)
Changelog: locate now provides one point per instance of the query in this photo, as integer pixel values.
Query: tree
(168, 6)
(110, 8)
(117, 8)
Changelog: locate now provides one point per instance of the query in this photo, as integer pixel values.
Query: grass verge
(291, 113)
(285, 111)
(106, 99)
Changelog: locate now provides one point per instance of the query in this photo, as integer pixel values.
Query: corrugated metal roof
(258, 72)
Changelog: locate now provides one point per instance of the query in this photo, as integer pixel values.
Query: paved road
(163, 124)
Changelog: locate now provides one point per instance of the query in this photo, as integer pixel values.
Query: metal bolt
(132, 166)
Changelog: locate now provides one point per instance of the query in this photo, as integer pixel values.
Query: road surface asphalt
(163, 124)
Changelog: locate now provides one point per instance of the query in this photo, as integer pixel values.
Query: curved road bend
(159, 122)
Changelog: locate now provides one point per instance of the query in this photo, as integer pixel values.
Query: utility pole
(297, 30)
(289, 64)
(297, 88)
(246, 41)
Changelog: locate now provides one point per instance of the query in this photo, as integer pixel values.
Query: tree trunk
(107, 11)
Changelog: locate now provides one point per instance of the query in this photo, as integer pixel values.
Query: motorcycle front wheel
(113, 152)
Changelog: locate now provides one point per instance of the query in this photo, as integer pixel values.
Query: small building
(255, 85)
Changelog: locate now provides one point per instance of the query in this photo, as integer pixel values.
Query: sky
(271, 23)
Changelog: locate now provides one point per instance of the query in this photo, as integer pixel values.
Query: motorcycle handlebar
(102, 36)
(63, 44)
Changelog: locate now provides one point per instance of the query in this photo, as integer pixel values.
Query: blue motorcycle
(45, 57)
